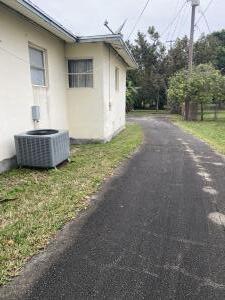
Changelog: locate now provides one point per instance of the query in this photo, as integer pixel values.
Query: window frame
(117, 79)
(82, 73)
(45, 67)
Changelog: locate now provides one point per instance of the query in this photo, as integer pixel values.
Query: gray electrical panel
(35, 113)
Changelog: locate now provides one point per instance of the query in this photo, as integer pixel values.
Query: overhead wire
(205, 19)
(175, 11)
(198, 28)
(139, 18)
(204, 11)
(179, 21)
(184, 21)
(173, 20)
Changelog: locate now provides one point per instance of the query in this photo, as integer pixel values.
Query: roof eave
(37, 16)
(124, 52)
(29, 10)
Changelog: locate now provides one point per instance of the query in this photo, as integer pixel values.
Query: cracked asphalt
(158, 232)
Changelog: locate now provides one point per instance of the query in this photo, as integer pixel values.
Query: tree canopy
(205, 85)
(156, 65)
(149, 53)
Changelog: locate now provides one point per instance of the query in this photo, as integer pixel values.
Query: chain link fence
(212, 112)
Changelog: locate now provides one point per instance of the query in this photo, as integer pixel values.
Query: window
(37, 66)
(117, 78)
(80, 73)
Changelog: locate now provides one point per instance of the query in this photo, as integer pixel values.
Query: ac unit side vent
(42, 148)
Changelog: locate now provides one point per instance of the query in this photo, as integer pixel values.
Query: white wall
(84, 111)
(114, 100)
(16, 92)
(99, 112)
(86, 108)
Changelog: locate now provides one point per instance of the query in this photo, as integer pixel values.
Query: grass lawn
(34, 204)
(145, 113)
(212, 132)
(210, 116)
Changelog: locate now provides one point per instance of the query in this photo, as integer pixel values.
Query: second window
(80, 72)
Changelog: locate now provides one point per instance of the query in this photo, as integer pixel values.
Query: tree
(149, 53)
(204, 86)
(131, 94)
(204, 49)
(211, 49)
(200, 86)
(218, 87)
(177, 57)
(177, 91)
(156, 65)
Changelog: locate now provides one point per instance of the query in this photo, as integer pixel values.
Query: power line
(179, 20)
(196, 26)
(185, 19)
(205, 10)
(174, 19)
(138, 19)
(178, 2)
(206, 21)
(175, 11)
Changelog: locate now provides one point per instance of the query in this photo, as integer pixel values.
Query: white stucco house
(79, 83)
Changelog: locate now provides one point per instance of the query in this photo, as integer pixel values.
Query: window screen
(80, 73)
(37, 66)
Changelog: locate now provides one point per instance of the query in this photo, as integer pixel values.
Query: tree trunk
(186, 109)
(202, 112)
(193, 111)
(157, 106)
(215, 115)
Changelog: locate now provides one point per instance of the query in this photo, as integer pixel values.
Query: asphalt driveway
(158, 232)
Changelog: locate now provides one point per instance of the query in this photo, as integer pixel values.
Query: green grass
(145, 113)
(210, 115)
(212, 132)
(34, 204)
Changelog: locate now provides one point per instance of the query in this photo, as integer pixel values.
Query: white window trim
(90, 73)
(45, 69)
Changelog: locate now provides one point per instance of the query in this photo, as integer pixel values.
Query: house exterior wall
(114, 100)
(85, 105)
(97, 113)
(17, 94)
(90, 114)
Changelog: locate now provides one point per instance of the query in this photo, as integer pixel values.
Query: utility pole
(194, 4)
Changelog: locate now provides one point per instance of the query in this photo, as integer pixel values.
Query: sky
(86, 17)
